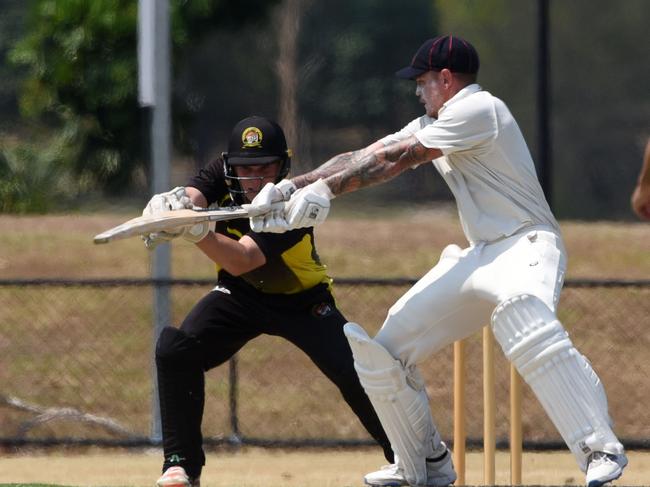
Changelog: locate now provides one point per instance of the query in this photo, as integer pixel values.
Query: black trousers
(219, 325)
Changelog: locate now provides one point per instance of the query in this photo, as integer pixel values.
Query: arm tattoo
(335, 165)
(380, 166)
(414, 153)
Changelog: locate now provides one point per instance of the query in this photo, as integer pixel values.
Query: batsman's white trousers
(456, 298)
(521, 276)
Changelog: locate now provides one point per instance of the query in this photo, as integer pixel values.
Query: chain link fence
(76, 367)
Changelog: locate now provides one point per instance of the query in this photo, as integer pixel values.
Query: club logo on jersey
(251, 137)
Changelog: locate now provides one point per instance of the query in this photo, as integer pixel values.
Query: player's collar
(465, 92)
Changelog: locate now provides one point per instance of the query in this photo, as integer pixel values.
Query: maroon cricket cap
(453, 53)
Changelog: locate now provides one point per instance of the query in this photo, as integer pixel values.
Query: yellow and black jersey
(292, 264)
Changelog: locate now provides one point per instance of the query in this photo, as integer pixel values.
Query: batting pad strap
(562, 379)
(399, 398)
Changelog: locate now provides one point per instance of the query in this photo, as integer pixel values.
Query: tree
(599, 104)
(348, 94)
(347, 62)
(81, 82)
(11, 26)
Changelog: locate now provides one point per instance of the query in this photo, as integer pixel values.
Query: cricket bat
(168, 220)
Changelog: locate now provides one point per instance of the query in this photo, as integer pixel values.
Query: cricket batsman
(510, 275)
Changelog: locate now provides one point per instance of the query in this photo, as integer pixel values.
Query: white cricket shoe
(387, 476)
(176, 477)
(440, 473)
(604, 467)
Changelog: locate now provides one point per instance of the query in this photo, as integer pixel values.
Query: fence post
(160, 157)
(235, 437)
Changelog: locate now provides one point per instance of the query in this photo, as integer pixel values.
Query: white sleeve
(461, 126)
(407, 131)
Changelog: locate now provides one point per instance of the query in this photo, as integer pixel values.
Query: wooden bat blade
(168, 220)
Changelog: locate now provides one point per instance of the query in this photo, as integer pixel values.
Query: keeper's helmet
(253, 141)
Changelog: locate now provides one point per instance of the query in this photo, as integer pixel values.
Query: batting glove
(270, 198)
(196, 233)
(176, 199)
(272, 222)
(309, 206)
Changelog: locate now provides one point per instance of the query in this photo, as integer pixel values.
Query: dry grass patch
(276, 468)
(359, 245)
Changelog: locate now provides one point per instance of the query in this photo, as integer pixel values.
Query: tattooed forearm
(365, 172)
(335, 165)
(409, 154)
(380, 166)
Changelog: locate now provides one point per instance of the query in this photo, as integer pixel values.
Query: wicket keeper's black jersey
(292, 264)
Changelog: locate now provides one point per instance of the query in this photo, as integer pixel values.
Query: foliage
(347, 81)
(344, 81)
(81, 81)
(11, 26)
(34, 178)
(348, 62)
(77, 63)
(599, 107)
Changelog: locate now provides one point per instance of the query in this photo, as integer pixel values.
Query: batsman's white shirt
(515, 243)
(486, 164)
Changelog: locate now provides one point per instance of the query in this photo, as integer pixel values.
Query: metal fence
(76, 367)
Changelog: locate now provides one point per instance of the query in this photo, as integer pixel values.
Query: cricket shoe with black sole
(440, 473)
(177, 477)
(603, 467)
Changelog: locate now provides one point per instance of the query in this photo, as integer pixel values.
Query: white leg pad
(400, 400)
(571, 393)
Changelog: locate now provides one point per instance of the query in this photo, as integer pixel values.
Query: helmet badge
(251, 137)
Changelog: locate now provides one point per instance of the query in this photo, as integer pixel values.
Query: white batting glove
(152, 240)
(176, 199)
(270, 198)
(309, 206)
(272, 222)
(196, 233)
(193, 234)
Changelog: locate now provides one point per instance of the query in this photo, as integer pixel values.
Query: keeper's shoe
(440, 473)
(604, 467)
(387, 476)
(177, 477)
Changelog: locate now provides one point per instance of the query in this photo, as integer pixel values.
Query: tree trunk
(289, 17)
